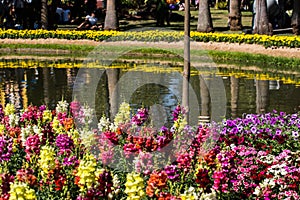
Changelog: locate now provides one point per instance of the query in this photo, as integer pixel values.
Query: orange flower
(156, 182)
(68, 123)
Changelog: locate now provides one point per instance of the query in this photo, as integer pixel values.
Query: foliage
(55, 154)
(274, 41)
(222, 5)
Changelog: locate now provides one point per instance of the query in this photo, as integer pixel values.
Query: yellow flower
(20, 190)
(9, 109)
(47, 116)
(87, 171)
(134, 186)
(46, 161)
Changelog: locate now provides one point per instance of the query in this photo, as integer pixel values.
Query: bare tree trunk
(204, 17)
(261, 23)
(296, 17)
(235, 15)
(111, 20)
(44, 14)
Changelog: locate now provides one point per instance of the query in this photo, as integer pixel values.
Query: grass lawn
(219, 18)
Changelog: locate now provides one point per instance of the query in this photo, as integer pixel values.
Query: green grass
(219, 17)
(156, 54)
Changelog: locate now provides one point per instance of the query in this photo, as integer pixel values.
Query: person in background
(66, 14)
(162, 13)
(10, 19)
(90, 22)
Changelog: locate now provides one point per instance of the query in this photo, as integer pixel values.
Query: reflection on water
(246, 92)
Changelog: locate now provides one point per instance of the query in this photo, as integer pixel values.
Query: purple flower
(6, 144)
(70, 161)
(1, 112)
(253, 129)
(172, 172)
(32, 146)
(64, 143)
(278, 132)
(42, 108)
(176, 113)
(140, 117)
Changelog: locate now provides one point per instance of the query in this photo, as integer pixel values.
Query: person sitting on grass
(90, 23)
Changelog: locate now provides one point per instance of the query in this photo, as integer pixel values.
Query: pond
(224, 92)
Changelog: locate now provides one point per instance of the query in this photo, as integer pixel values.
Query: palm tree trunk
(44, 14)
(235, 15)
(261, 23)
(296, 17)
(111, 20)
(204, 17)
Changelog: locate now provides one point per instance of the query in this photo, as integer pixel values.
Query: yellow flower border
(154, 36)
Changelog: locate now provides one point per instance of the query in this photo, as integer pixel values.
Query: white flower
(62, 107)
(104, 124)
(13, 120)
(88, 138)
(257, 191)
(209, 196)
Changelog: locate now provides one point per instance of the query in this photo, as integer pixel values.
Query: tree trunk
(44, 14)
(235, 15)
(234, 90)
(204, 17)
(261, 23)
(187, 64)
(296, 17)
(111, 20)
(262, 95)
(113, 77)
(205, 101)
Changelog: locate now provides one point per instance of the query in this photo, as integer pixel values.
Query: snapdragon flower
(6, 148)
(87, 172)
(20, 190)
(46, 159)
(134, 186)
(123, 116)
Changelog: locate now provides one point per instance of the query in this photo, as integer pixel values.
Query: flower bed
(155, 36)
(59, 154)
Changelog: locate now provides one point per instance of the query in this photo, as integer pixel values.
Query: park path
(247, 48)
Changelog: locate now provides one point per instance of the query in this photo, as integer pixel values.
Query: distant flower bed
(155, 36)
(63, 154)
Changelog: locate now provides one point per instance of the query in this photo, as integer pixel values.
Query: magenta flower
(65, 144)
(172, 172)
(6, 144)
(75, 108)
(140, 117)
(32, 146)
(1, 112)
(68, 161)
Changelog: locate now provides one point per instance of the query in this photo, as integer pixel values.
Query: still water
(149, 86)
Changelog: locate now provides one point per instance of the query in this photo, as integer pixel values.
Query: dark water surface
(149, 86)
